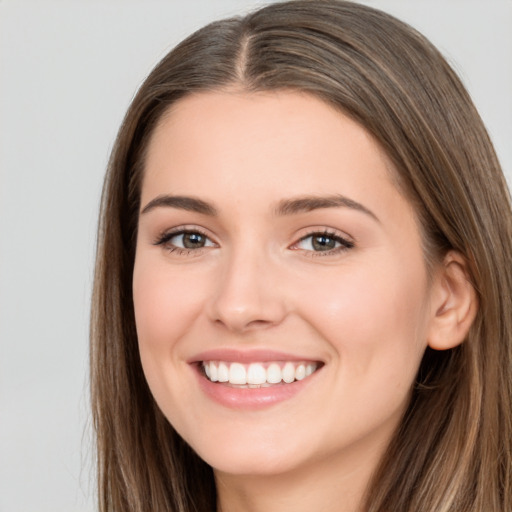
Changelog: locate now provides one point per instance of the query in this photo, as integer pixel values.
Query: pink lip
(246, 356)
(247, 398)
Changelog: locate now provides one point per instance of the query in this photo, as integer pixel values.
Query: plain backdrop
(68, 70)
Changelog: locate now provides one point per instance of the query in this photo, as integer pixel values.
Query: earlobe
(454, 304)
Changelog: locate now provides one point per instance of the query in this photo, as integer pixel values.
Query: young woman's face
(275, 252)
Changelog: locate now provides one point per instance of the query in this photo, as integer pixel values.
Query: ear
(454, 303)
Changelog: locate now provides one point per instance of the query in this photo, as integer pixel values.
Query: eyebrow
(284, 207)
(309, 203)
(191, 204)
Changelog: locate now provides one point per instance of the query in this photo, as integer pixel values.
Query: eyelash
(166, 237)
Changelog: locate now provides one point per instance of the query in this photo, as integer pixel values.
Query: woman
(302, 296)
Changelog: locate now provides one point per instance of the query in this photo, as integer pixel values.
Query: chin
(252, 464)
(249, 454)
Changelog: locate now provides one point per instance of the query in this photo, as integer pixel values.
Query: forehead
(285, 136)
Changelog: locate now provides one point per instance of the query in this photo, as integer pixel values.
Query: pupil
(323, 243)
(193, 240)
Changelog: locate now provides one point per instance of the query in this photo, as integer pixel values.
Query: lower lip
(251, 398)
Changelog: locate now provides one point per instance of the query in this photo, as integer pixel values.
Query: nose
(249, 294)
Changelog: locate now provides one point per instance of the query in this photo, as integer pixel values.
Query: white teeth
(274, 375)
(214, 372)
(300, 372)
(237, 374)
(289, 373)
(223, 372)
(257, 375)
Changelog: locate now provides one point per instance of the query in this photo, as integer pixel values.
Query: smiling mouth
(258, 375)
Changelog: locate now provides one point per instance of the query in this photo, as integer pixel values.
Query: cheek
(374, 320)
(166, 304)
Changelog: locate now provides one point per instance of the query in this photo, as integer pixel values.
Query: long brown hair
(453, 449)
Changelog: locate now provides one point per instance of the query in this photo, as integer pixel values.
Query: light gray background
(68, 70)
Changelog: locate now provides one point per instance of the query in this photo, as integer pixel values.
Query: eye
(185, 240)
(190, 240)
(323, 242)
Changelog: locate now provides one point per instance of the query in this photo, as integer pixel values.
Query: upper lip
(247, 356)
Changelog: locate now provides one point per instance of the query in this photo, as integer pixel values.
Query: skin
(367, 312)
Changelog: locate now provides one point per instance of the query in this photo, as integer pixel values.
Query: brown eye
(323, 243)
(192, 240)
